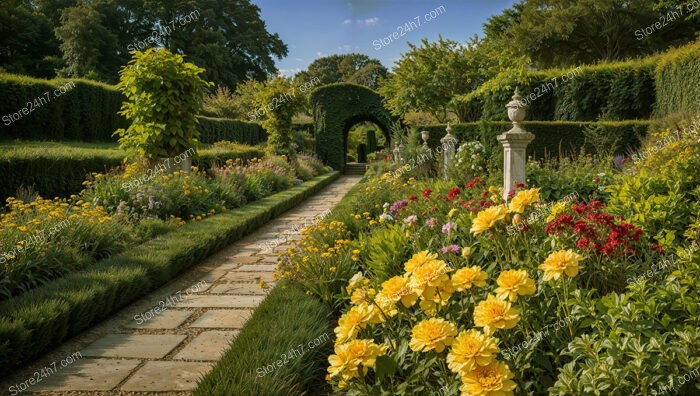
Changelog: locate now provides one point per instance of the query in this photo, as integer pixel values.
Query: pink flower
(431, 222)
(450, 249)
(448, 228)
(410, 220)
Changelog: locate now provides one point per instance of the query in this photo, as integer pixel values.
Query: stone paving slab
(166, 376)
(168, 319)
(151, 346)
(88, 374)
(236, 276)
(223, 318)
(256, 268)
(208, 346)
(239, 288)
(220, 301)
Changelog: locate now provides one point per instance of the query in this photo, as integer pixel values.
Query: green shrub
(371, 139)
(336, 108)
(362, 153)
(163, 97)
(268, 358)
(678, 81)
(213, 130)
(279, 104)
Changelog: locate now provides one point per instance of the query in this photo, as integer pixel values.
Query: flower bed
(445, 288)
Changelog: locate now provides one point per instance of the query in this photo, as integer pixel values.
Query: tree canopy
(353, 68)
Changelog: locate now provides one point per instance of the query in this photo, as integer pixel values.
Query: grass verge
(42, 318)
(281, 351)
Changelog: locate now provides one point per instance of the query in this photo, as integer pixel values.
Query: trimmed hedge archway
(336, 109)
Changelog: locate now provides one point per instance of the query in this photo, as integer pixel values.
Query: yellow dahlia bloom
(556, 209)
(356, 281)
(350, 323)
(349, 357)
(471, 348)
(514, 283)
(487, 218)
(523, 199)
(397, 289)
(434, 296)
(418, 260)
(362, 295)
(430, 275)
(433, 333)
(494, 379)
(465, 278)
(494, 313)
(561, 262)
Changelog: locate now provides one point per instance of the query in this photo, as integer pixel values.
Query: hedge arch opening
(339, 107)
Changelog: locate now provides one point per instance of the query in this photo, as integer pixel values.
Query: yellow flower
(514, 283)
(523, 199)
(362, 295)
(350, 323)
(452, 213)
(465, 278)
(434, 296)
(418, 260)
(397, 289)
(556, 209)
(471, 348)
(354, 282)
(561, 262)
(493, 314)
(428, 276)
(466, 251)
(349, 357)
(433, 333)
(487, 218)
(494, 379)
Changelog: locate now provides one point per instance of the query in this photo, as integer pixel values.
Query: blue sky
(315, 28)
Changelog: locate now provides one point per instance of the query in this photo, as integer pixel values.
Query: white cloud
(369, 21)
(347, 22)
(289, 72)
(348, 48)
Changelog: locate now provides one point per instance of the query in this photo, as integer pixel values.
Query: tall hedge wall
(614, 91)
(678, 81)
(338, 107)
(65, 110)
(552, 138)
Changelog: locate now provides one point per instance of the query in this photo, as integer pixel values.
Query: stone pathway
(169, 339)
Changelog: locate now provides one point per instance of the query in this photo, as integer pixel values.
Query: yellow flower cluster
(562, 262)
(31, 217)
(352, 356)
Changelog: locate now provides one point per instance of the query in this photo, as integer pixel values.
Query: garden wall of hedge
(552, 137)
(64, 110)
(42, 318)
(678, 81)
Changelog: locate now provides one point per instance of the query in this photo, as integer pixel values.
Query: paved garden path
(170, 338)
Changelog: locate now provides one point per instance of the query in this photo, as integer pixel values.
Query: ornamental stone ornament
(514, 144)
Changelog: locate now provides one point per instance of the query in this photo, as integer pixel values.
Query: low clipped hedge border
(286, 318)
(266, 358)
(44, 317)
(59, 173)
(552, 138)
(75, 109)
(678, 81)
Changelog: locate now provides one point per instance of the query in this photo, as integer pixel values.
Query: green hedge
(59, 169)
(42, 318)
(552, 137)
(613, 91)
(338, 107)
(87, 111)
(678, 81)
(265, 358)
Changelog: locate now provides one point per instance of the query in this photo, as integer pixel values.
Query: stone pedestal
(449, 144)
(515, 144)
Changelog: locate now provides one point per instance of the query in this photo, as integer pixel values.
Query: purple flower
(448, 228)
(410, 220)
(431, 222)
(450, 249)
(398, 205)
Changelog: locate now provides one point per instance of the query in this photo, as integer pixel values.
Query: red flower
(427, 192)
(582, 243)
(454, 192)
(413, 197)
(485, 193)
(658, 248)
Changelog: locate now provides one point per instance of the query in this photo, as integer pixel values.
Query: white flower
(601, 174)
(386, 205)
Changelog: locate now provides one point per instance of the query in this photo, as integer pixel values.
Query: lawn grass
(281, 351)
(43, 317)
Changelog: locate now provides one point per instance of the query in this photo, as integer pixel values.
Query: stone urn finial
(517, 109)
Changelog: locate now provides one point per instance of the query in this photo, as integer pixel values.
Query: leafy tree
(561, 33)
(278, 103)
(426, 78)
(354, 68)
(163, 97)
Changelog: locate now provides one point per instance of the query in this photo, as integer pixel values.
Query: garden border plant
(44, 317)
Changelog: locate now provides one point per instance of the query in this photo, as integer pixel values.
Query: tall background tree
(353, 68)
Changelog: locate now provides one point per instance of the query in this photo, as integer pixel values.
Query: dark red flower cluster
(453, 193)
(475, 182)
(596, 230)
(426, 193)
(412, 198)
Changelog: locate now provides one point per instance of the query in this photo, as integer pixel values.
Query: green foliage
(558, 33)
(44, 317)
(163, 97)
(337, 108)
(614, 91)
(250, 367)
(362, 153)
(350, 68)
(384, 252)
(371, 140)
(678, 81)
(572, 177)
(212, 130)
(221, 104)
(428, 76)
(277, 100)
